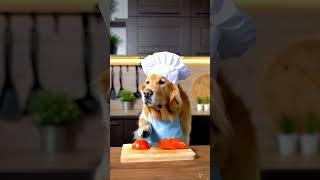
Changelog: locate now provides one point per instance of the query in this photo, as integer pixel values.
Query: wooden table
(175, 170)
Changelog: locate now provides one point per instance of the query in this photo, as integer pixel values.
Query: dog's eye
(147, 82)
(161, 82)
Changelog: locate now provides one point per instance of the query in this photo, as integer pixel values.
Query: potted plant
(309, 140)
(199, 104)
(52, 113)
(287, 138)
(114, 41)
(207, 104)
(127, 97)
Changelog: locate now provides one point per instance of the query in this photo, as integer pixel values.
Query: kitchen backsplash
(129, 82)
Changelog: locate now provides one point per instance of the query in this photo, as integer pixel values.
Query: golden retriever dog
(164, 101)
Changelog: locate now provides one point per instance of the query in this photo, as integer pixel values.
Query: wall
(61, 69)
(129, 82)
(276, 29)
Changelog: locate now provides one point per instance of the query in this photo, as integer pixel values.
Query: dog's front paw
(143, 131)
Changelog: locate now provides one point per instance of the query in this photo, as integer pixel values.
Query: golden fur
(172, 99)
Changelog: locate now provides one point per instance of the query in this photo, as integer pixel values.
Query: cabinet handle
(203, 53)
(202, 13)
(114, 123)
(162, 13)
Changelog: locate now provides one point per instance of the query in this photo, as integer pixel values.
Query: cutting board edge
(124, 158)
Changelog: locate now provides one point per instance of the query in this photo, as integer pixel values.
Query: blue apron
(163, 129)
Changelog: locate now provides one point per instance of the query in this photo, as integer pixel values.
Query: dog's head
(157, 92)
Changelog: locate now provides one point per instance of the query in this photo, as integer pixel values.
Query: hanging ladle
(120, 80)
(9, 103)
(113, 93)
(137, 93)
(34, 58)
(88, 103)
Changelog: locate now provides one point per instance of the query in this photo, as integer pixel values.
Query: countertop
(34, 161)
(274, 161)
(193, 169)
(136, 112)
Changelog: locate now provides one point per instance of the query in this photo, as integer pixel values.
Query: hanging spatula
(9, 103)
(137, 93)
(34, 58)
(113, 93)
(88, 103)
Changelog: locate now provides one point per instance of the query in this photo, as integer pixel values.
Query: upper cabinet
(120, 11)
(200, 8)
(200, 36)
(160, 34)
(163, 7)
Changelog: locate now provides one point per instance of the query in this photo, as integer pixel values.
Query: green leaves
(114, 39)
(311, 125)
(126, 95)
(199, 100)
(58, 109)
(287, 125)
(207, 100)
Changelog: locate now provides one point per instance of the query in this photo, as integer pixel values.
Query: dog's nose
(147, 93)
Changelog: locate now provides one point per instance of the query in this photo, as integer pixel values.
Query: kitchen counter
(28, 161)
(274, 161)
(193, 169)
(136, 112)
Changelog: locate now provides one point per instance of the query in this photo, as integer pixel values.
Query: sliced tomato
(172, 143)
(140, 144)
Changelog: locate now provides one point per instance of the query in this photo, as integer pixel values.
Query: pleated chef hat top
(167, 64)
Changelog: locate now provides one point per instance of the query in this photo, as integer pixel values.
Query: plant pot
(53, 140)
(127, 105)
(113, 49)
(287, 144)
(309, 145)
(206, 107)
(199, 107)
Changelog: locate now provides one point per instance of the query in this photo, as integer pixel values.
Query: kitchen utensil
(113, 93)
(154, 154)
(55, 22)
(201, 87)
(34, 49)
(88, 103)
(137, 93)
(9, 103)
(120, 80)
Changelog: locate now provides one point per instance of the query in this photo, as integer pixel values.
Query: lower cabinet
(121, 130)
(116, 133)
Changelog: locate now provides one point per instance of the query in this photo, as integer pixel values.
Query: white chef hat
(167, 64)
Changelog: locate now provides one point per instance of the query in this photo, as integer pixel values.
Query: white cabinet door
(200, 36)
(121, 10)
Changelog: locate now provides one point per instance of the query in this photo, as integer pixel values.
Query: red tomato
(140, 144)
(173, 143)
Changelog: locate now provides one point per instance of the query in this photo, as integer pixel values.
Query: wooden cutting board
(154, 154)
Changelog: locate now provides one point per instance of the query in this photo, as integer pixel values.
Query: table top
(192, 169)
(34, 161)
(274, 161)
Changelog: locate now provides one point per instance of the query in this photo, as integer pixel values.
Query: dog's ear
(175, 102)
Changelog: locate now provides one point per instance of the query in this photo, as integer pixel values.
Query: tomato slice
(140, 144)
(172, 143)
